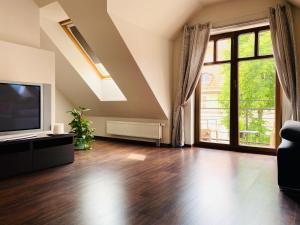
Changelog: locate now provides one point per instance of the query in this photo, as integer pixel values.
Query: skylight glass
(74, 34)
(102, 69)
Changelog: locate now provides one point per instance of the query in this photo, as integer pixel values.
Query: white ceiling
(164, 17)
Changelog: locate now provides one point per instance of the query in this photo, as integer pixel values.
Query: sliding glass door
(236, 103)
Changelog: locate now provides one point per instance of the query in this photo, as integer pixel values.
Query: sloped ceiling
(133, 73)
(163, 18)
(70, 83)
(107, 43)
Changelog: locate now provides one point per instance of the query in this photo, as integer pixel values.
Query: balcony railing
(256, 122)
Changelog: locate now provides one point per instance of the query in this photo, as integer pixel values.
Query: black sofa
(288, 157)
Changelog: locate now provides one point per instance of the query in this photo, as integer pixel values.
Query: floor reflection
(103, 199)
(138, 157)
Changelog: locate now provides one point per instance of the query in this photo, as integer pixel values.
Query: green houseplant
(80, 126)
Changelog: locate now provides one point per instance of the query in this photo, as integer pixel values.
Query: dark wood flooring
(124, 184)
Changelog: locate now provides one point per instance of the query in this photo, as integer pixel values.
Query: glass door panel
(246, 47)
(215, 104)
(257, 109)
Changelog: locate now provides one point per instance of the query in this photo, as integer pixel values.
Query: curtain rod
(249, 22)
(260, 18)
(216, 29)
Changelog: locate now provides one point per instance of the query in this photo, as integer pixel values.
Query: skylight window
(74, 34)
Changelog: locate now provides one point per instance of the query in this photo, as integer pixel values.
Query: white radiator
(135, 129)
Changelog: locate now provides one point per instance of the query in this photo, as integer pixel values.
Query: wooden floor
(123, 184)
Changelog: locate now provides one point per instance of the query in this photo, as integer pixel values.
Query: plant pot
(80, 144)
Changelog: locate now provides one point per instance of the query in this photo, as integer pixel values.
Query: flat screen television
(20, 107)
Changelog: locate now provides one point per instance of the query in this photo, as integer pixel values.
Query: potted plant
(80, 126)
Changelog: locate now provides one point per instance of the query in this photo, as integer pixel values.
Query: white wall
(232, 12)
(20, 63)
(20, 58)
(62, 105)
(19, 22)
(153, 55)
(189, 118)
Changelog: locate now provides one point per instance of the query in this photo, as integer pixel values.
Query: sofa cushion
(291, 131)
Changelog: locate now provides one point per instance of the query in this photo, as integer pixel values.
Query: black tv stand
(37, 153)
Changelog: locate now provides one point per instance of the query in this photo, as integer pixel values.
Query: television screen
(20, 107)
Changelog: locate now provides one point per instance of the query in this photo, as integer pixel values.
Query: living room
(149, 112)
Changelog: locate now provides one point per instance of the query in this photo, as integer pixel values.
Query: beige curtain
(282, 32)
(194, 44)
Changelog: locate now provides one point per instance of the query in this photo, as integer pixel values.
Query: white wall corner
(189, 121)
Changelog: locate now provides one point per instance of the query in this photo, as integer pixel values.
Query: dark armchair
(288, 157)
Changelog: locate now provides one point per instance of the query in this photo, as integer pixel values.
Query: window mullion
(215, 50)
(234, 92)
(256, 44)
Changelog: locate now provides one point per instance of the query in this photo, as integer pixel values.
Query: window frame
(234, 114)
(64, 24)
